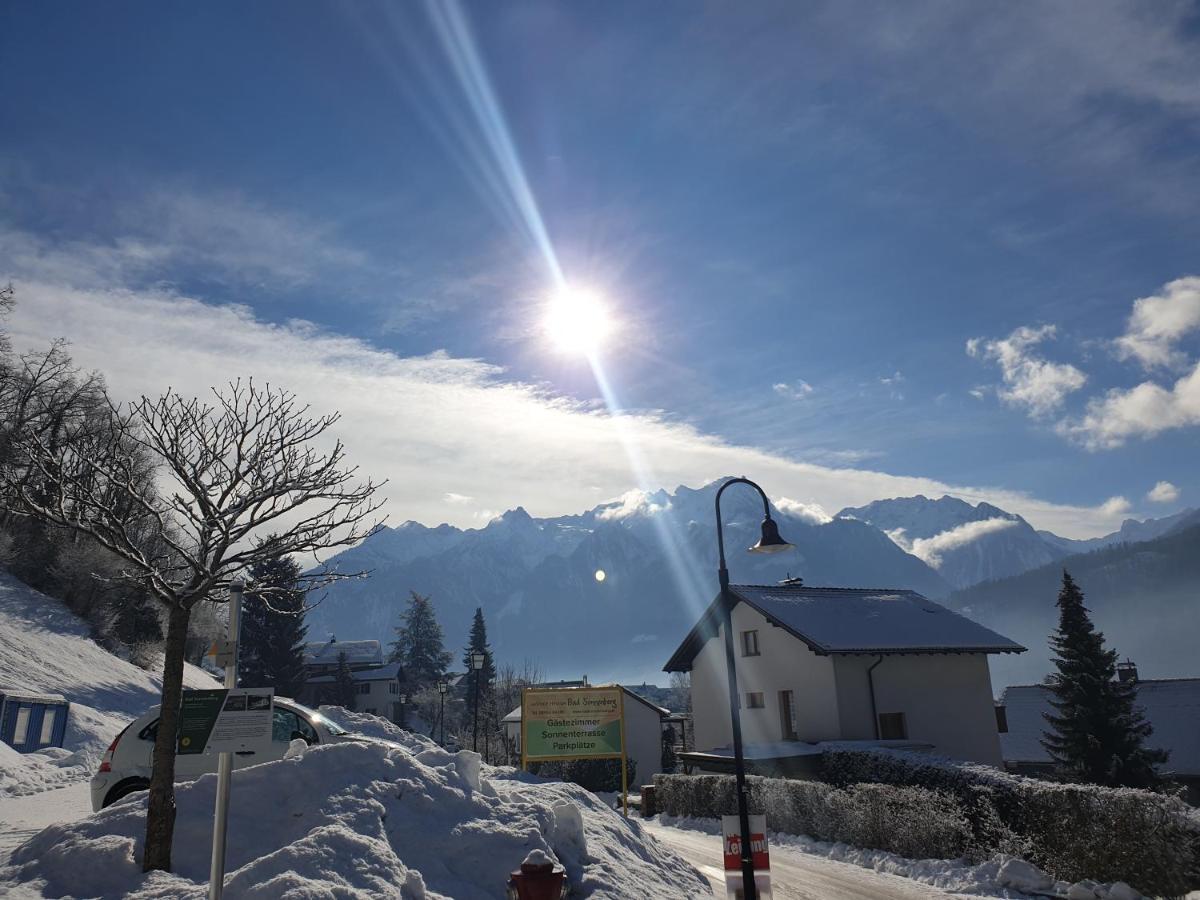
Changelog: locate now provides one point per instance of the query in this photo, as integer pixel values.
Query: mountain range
(539, 582)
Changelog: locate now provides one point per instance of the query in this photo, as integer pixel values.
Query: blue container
(30, 722)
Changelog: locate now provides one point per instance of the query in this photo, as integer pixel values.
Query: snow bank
(45, 648)
(377, 727)
(358, 820)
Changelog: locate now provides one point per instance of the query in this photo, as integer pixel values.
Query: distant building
(322, 658)
(643, 729)
(841, 664)
(1171, 706)
(376, 691)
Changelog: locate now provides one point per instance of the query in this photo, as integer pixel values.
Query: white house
(844, 664)
(643, 733)
(321, 658)
(1170, 705)
(376, 691)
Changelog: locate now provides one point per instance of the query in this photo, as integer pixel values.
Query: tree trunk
(160, 818)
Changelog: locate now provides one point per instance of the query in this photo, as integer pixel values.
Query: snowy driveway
(23, 817)
(796, 875)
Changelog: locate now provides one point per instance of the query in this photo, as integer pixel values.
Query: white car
(126, 766)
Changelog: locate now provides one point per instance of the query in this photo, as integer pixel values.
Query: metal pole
(216, 872)
(475, 738)
(442, 716)
(749, 888)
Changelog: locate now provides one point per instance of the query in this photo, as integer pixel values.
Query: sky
(851, 250)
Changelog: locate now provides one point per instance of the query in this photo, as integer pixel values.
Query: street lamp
(443, 686)
(769, 542)
(477, 660)
(403, 711)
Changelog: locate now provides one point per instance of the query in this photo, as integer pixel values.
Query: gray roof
(357, 653)
(851, 620)
(1171, 705)
(382, 673)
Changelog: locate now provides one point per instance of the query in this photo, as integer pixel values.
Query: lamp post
(477, 660)
(443, 686)
(769, 542)
(403, 710)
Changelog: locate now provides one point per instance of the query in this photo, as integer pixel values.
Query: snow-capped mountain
(1131, 532)
(536, 578)
(966, 544)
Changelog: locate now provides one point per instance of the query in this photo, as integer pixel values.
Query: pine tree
(1096, 734)
(273, 629)
(487, 675)
(419, 646)
(345, 688)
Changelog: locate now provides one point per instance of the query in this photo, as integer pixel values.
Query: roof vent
(792, 582)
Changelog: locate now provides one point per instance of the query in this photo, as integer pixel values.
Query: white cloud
(797, 390)
(931, 549)
(1163, 492)
(810, 512)
(1030, 382)
(1115, 506)
(466, 429)
(1159, 321)
(457, 499)
(1142, 411)
(631, 503)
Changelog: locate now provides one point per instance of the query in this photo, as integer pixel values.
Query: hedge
(921, 808)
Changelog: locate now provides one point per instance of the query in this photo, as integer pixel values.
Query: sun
(577, 321)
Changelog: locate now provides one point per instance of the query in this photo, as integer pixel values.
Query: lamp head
(477, 660)
(442, 686)
(770, 542)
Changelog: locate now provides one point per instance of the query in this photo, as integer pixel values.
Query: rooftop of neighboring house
(1171, 706)
(850, 620)
(358, 653)
(389, 672)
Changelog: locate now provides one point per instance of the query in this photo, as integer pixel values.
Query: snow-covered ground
(45, 648)
(355, 820)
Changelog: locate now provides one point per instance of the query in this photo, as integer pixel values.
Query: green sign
(572, 723)
(197, 715)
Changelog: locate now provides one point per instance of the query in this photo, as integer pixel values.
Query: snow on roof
(852, 620)
(1171, 705)
(357, 653)
(381, 673)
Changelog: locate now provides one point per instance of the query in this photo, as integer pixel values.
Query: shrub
(592, 774)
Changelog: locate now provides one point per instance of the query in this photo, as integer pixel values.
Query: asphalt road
(796, 875)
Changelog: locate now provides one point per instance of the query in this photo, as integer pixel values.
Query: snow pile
(377, 727)
(358, 820)
(44, 648)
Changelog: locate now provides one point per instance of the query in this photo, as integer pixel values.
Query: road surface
(796, 875)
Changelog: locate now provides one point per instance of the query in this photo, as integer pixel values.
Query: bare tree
(227, 472)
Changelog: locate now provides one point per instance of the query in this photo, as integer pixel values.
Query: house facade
(842, 664)
(376, 691)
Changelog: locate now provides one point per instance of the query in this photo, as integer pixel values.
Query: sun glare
(577, 321)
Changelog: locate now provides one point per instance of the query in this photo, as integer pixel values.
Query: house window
(892, 727)
(48, 718)
(365, 687)
(393, 688)
(750, 643)
(1001, 719)
(787, 716)
(755, 700)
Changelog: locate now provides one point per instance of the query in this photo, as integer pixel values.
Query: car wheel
(124, 789)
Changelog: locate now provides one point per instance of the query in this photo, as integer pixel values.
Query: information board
(223, 720)
(572, 723)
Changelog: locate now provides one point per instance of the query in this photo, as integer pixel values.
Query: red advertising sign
(731, 830)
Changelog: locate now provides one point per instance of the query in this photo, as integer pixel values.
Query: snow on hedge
(44, 648)
(363, 819)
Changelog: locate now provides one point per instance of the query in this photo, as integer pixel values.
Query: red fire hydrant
(539, 878)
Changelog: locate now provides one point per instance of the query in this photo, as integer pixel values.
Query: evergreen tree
(419, 646)
(345, 689)
(273, 629)
(487, 675)
(1096, 734)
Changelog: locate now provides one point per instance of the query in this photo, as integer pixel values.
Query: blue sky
(858, 250)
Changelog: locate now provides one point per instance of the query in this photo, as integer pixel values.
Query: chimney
(1127, 671)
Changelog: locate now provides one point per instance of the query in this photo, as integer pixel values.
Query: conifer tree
(273, 629)
(419, 646)
(478, 641)
(1096, 733)
(345, 688)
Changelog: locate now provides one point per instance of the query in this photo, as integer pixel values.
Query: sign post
(574, 723)
(731, 840)
(216, 872)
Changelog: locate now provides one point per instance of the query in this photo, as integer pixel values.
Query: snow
(844, 620)
(357, 820)
(45, 649)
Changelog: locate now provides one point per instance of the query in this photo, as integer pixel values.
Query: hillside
(1144, 596)
(45, 648)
